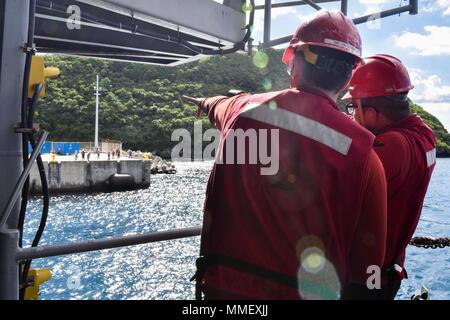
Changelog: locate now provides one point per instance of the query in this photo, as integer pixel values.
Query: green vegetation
(141, 105)
(442, 136)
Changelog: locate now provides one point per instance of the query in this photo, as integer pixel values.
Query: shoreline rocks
(161, 166)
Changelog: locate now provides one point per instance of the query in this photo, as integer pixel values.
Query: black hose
(42, 224)
(25, 140)
(33, 104)
(27, 264)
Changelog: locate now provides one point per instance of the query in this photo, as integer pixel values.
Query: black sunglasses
(350, 108)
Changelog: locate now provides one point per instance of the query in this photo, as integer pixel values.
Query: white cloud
(374, 2)
(428, 88)
(437, 5)
(435, 41)
(278, 12)
(431, 94)
(371, 6)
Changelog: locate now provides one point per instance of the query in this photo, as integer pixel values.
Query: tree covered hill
(140, 104)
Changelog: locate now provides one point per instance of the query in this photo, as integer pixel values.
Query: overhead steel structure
(164, 32)
(156, 31)
(411, 8)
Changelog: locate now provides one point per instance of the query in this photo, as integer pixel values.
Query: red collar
(318, 93)
(412, 119)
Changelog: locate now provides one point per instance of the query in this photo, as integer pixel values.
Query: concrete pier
(84, 176)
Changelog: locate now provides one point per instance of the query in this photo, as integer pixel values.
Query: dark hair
(332, 70)
(395, 107)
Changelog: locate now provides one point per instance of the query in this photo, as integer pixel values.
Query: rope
(427, 242)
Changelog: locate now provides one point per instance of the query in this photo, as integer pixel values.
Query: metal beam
(383, 14)
(414, 6)
(52, 29)
(213, 20)
(102, 244)
(292, 4)
(14, 28)
(312, 4)
(275, 42)
(344, 6)
(411, 8)
(9, 270)
(267, 19)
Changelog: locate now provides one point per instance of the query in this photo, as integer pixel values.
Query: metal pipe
(312, 4)
(102, 244)
(97, 103)
(382, 14)
(414, 7)
(14, 21)
(359, 20)
(23, 177)
(267, 19)
(9, 270)
(292, 4)
(275, 42)
(344, 6)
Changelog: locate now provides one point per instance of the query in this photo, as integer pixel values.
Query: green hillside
(141, 105)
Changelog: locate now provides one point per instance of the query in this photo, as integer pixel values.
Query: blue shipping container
(63, 148)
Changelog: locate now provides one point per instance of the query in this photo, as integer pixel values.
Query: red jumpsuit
(309, 229)
(407, 151)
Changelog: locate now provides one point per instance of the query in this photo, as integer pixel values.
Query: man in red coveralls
(312, 226)
(406, 147)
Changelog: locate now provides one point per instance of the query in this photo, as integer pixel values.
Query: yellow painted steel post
(38, 278)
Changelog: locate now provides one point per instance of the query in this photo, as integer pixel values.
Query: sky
(421, 42)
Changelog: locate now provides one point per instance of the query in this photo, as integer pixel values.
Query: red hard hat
(378, 75)
(331, 29)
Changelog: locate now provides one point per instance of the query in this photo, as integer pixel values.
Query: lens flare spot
(292, 178)
(273, 105)
(267, 84)
(317, 277)
(247, 7)
(313, 260)
(260, 59)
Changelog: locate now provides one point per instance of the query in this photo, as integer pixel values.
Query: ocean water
(162, 270)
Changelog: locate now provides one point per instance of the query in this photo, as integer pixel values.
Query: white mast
(97, 102)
